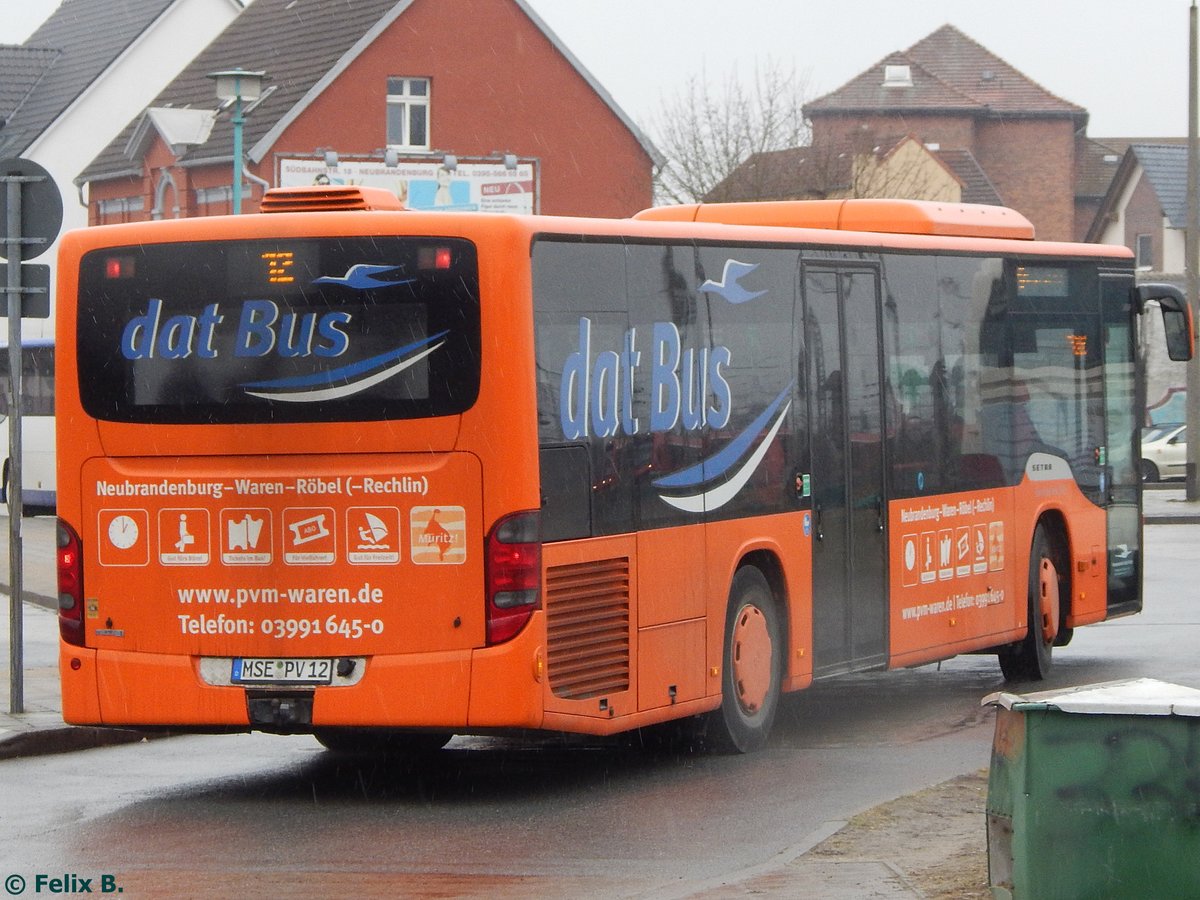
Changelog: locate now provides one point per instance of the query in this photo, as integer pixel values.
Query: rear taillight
(514, 574)
(70, 585)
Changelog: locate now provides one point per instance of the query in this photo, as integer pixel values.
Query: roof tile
(950, 72)
(296, 43)
(21, 68)
(86, 36)
(977, 187)
(1166, 167)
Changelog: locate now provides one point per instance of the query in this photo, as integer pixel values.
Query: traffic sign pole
(16, 665)
(32, 216)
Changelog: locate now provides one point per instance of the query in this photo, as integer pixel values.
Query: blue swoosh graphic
(369, 372)
(718, 464)
(361, 277)
(723, 491)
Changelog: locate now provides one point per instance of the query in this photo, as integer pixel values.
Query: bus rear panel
(273, 496)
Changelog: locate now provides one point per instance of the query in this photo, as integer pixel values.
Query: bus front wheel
(1031, 659)
(752, 663)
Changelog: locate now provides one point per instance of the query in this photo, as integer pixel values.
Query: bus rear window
(307, 330)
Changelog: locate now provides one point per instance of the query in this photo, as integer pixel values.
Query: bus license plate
(282, 671)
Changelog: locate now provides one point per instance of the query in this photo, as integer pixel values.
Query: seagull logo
(728, 286)
(363, 277)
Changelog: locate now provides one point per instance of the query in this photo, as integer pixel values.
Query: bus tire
(752, 664)
(1031, 658)
(381, 741)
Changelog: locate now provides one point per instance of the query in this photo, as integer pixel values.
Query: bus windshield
(316, 330)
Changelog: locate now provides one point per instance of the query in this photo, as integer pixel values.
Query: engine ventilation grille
(587, 616)
(320, 198)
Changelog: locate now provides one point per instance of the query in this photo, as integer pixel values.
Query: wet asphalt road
(258, 815)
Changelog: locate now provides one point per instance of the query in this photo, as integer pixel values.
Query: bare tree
(705, 132)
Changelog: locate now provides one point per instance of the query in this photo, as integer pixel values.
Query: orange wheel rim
(1048, 588)
(751, 662)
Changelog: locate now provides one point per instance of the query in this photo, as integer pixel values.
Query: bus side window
(918, 426)
(566, 493)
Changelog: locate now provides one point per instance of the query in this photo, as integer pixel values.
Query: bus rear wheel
(381, 741)
(1031, 659)
(752, 664)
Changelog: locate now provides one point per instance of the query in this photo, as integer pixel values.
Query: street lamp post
(238, 85)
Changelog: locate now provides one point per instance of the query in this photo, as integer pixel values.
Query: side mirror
(1177, 317)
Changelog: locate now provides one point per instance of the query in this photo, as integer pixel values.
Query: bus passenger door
(849, 551)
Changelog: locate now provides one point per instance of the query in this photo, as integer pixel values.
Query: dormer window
(897, 76)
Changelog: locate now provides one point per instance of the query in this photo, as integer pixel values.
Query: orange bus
(388, 476)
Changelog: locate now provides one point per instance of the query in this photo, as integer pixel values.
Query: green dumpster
(1094, 792)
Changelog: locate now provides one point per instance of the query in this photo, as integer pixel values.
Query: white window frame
(1144, 258)
(407, 95)
(222, 194)
(119, 208)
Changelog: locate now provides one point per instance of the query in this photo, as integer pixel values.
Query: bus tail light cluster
(514, 574)
(70, 585)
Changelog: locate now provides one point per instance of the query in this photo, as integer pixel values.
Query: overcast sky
(1125, 61)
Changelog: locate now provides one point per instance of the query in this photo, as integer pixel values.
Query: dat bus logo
(688, 387)
(597, 396)
(263, 328)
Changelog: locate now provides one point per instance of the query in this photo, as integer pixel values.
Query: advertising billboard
(468, 187)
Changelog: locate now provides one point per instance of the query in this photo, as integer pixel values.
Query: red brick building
(388, 92)
(1007, 139)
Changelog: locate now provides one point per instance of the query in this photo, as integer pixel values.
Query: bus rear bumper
(496, 687)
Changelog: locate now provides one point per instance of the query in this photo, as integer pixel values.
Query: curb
(50, 603)
(63, 739)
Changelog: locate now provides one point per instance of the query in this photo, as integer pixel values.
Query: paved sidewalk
(1165, 504)
(42, 713)
(39, 727)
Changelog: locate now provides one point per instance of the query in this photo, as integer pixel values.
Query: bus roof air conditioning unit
(325, 198)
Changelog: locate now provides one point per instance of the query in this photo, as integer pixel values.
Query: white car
(1164, 452)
